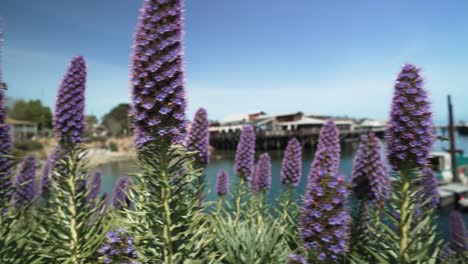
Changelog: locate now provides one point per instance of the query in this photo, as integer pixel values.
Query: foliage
(410, 235)
(24, 146)
(7, 164)
(33, 111)
(167, 217)
(117, 121)
(288, 211)
(15, 239)
(250, 243)
(71, 229)
(15, 230)
(91, 121)
(113, 146)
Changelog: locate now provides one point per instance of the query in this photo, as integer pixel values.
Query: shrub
(113, 146)
(27, 145)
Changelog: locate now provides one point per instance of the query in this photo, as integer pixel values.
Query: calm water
(225, 160)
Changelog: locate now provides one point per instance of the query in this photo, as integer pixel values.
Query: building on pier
(274, 131)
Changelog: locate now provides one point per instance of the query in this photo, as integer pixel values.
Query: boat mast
(452, 141)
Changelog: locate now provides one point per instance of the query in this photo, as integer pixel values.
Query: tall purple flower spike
(263, 175)
(2, 95)
(47, 171)
(330, 138)
(24, 182)
(222, 183)
(327, 155)
(253, 180)
(322, 163)
(325, 221)
(458, 234)
(2, 106)
(157, 77)
(5, 163)
(291, 169)
(430, 187)
(370, 177)
(198, 137)
(120, 198)
(245, 153)
(410, 133)
(69, 121)
(5, 131)
(94, 188)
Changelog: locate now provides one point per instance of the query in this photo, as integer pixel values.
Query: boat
(441, 164)
(463, 129)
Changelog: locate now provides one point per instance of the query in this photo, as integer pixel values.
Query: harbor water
(225, 160)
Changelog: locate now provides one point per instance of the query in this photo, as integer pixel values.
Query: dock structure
(461, 127)
(274, 131)
(449, 192)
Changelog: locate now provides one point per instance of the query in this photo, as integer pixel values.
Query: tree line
(116, 121)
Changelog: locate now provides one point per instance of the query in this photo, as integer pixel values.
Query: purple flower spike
(410, 133)
(120, 196)
(5, 131)
(294, 258)
(291, 170)
(157, 77)
(330, 138)
(430, 187)
(253, 180)
(69, 121)
(327, 155)
(24, 182)
(323, 163)
(47, 171)
(2, 99)
(325, 221)
(222, 183)
(118, 247)
(95, 188)
(245, 153)
(198, 138)
(263, 174)
(458, 234)
(5, 163)
(370, 178)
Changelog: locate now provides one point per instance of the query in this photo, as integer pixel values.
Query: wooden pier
(277, 140)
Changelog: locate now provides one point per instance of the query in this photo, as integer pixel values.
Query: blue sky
(323, 57)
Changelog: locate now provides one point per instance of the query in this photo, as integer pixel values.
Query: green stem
(405, 225)
(73, 214)
(167, 234)
(220, 206)
(261, 202)
(286, 204)
(253, 209)
(377, 219)
(240, 191)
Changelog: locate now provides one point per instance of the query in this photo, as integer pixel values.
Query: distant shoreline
(99, 157)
